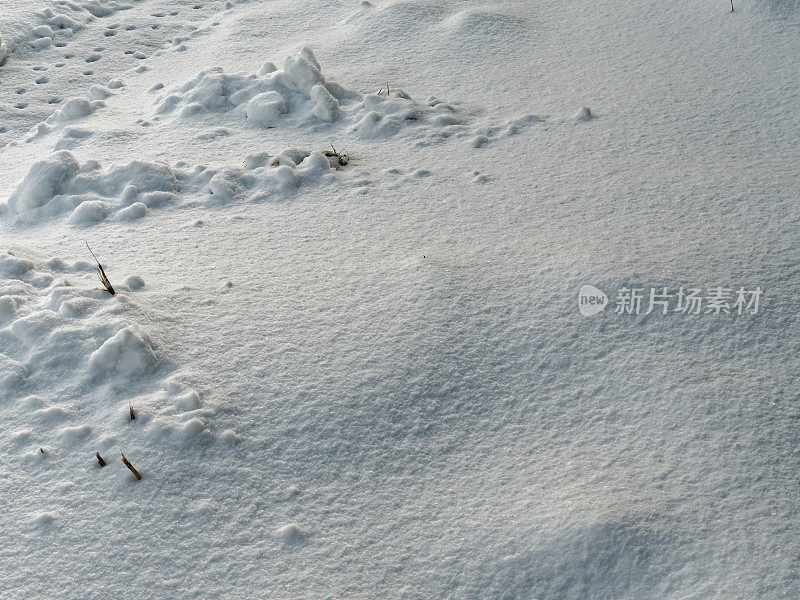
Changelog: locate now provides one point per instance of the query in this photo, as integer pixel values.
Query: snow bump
(129, 352)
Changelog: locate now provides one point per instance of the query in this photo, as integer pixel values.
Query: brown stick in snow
(100, 459)
(101, 273)
(131, 467)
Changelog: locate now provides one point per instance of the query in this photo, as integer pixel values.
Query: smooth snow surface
(347, 240)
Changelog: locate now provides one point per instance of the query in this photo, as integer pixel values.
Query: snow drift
(128, 192)
(299, 94)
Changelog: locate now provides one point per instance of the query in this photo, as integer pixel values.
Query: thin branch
(101, 273)
(131, 467)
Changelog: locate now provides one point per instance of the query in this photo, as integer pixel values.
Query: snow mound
(300, 95)
(42, 42)
(59, 183)
(74, 109)
(137, 210)
(14, 266)
(3, 51)
(277, 178)
(265, 108)
(134, 282)
(378, 116)
(104, 9)
(72, 363)
(130, 352)
(45, 180)
(486, 135)
(584, 114)
(324, 106)
(61, 23)
(44, 519)
(88, 212)
(194, 428)
(43, 31)
(128, 192)
(293, 533)
(13, 373)
(484, 20)
(262, 98)
(76, 433)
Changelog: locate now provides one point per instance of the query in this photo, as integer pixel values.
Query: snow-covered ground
(347, 241)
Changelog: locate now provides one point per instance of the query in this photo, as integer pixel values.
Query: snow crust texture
(345, 353)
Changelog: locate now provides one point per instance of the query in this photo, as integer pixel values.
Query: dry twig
(131, 467)
(102, 274)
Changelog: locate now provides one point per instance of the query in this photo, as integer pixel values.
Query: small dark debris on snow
(344, 160)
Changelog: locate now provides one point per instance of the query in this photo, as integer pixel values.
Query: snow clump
(300, 93)
(129, 352)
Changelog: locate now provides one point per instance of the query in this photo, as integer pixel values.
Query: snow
(347, 240)
(584, 114)
(43, 31)
(265, 108)
(75, 108)
(45, 180)
(324, 106)
(89, 211)
(135, 211)
(130, 351)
